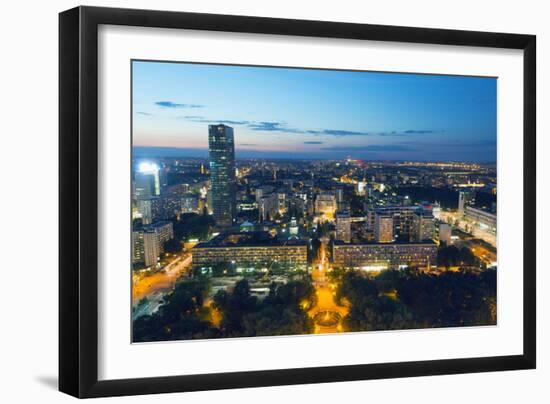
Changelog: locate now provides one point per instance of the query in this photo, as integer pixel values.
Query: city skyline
(283, 113)
(276, 201)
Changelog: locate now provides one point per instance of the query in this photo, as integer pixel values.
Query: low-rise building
(481, 217)
(379, 256)
(250, 249)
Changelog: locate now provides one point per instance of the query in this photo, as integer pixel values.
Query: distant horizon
(155, 152)
(308, 113)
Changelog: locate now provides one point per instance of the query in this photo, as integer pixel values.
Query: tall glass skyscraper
(221, 147)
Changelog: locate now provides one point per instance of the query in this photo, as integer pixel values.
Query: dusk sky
(299, 113)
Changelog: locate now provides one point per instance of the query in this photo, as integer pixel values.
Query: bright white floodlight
(148, 167)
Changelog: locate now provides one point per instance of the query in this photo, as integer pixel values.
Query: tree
(448, 256)
(172, 246)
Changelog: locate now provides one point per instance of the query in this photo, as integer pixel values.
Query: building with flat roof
(251, 249)
(383, 228)
(402, 217)
(148, 242)
(343, 226)
(326, 205)
(445, 233)
(424, 226)
(380, 256)
(481, 217)
(221, 148)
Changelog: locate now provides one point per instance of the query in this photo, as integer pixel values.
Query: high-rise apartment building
(343, 226)
(325, 204)
(221, 146)
(424, 226)
(268, 207)
(445, 232)
(383, 228)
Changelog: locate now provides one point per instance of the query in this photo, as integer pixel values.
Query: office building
(147, 180)
(222, 173)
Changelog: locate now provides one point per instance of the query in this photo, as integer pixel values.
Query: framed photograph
(251, 201)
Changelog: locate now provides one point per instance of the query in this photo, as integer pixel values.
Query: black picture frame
(78, 196)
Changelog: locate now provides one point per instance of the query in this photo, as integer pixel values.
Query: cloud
(227, 122)
(417, 132)
(248, 144)
(143, 113)
(201, 119)
(392, 133)
(279, 126)
(337, 132)
(342, 133)
(313, 142)
(370, 148)
(170, 104)
(282, 127)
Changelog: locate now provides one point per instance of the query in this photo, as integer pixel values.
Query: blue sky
(302, 113)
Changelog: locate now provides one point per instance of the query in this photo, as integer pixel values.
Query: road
(485, 253)
(154, 286)
(326, 308)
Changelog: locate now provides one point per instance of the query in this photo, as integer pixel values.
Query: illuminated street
(325, 300)
(146, 285)
(330, 229)
(485, 253)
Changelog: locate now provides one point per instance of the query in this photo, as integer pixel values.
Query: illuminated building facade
(343, 226)
(445, 233)
(222, 173)
(481, 217)
(379, 256)
(147, 180)
(424, 226)
(250, 249)
(383, 228)
(268, 207)
(403, 218)
(325, 204)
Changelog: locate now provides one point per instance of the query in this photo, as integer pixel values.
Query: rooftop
(247, 239)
